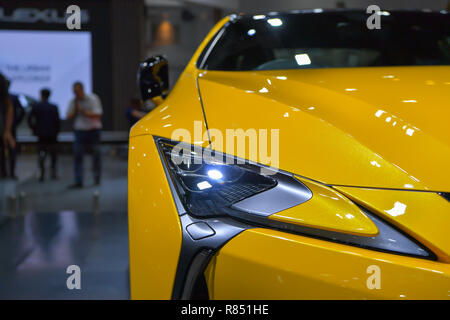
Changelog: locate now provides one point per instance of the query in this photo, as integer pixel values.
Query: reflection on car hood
(385, 127)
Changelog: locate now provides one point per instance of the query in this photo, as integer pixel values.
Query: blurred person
(45, 122)
(6, 123)
(86, 110)
(19, 114)
(134, 113)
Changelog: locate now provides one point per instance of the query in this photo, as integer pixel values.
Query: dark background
(117, 47)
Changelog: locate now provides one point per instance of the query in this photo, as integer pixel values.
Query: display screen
(33, 60)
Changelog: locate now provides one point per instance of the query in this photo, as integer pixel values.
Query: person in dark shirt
(45, 122)
(6, 123)
(19, 114)
(134, 114)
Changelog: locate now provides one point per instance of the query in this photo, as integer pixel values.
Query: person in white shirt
(86, 110)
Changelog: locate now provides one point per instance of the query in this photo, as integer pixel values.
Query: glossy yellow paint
(157, 100)
(368, 127)
(268, 264)
(354, 126)
(423, 215)
(178, 116)
(333, 123)
(328, 210)
(154, 226)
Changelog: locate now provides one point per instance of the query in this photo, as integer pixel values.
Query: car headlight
(209, 185)
(212, 184)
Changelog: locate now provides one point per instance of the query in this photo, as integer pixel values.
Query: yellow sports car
(300, 155)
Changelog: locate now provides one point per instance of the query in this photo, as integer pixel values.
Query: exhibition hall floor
(56, 227)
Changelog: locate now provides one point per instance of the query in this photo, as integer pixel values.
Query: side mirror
(153, 79)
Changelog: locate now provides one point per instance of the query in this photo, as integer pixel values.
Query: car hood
(383, 127)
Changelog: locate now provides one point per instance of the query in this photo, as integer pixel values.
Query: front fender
(154, 226)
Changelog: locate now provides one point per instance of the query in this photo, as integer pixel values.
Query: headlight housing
(212, 184)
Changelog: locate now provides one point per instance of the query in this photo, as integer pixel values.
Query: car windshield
(329, 40)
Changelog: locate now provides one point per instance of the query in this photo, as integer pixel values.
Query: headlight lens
(209, 186)
(212, 186)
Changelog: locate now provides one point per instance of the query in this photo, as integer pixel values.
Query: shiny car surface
(356, 205)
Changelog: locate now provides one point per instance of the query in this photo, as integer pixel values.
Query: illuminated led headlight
(211, 186)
